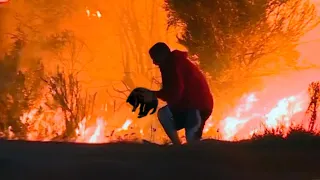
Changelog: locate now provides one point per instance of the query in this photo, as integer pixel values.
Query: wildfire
(282, 103)
(254, 110)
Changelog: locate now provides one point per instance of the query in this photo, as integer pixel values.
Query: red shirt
(183, 84)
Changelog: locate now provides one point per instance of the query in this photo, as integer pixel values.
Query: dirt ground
(258, 160)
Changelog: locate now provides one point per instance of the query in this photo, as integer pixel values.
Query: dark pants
(192, 120)
(188, 119)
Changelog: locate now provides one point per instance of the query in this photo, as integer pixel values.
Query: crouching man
(186, 91)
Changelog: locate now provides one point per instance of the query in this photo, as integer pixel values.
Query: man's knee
(163, 113)
(160, 112)
(193, 120)
(194, 126)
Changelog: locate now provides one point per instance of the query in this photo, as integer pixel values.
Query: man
(186, 91)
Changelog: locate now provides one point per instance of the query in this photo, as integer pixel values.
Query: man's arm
(173, 86)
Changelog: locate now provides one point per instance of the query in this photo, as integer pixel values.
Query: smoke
(103, 45)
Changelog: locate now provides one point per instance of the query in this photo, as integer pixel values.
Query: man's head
(159, 52)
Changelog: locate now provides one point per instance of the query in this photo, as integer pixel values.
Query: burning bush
(66, 92)
(18, 92)
(314, 91)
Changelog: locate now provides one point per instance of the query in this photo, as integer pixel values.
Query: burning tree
(35, 37)
(65, 86)
(18, 92)
(223, 33)
(314, 92)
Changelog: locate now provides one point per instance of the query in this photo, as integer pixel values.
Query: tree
(18, 90)
(66, 88)
(66, 92)
(134, 39)
(67, 50)
(312, 111)
(224, 33)
(33, 21)
(237, 41)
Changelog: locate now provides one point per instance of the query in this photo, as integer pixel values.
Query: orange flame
(247, 120)
(254, 110)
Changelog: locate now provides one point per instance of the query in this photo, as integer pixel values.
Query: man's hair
(159, 48)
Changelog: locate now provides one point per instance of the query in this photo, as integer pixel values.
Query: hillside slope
(261, 159)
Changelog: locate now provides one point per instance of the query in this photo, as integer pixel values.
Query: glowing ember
(99, 15)
(88, 12)
(93, 14)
